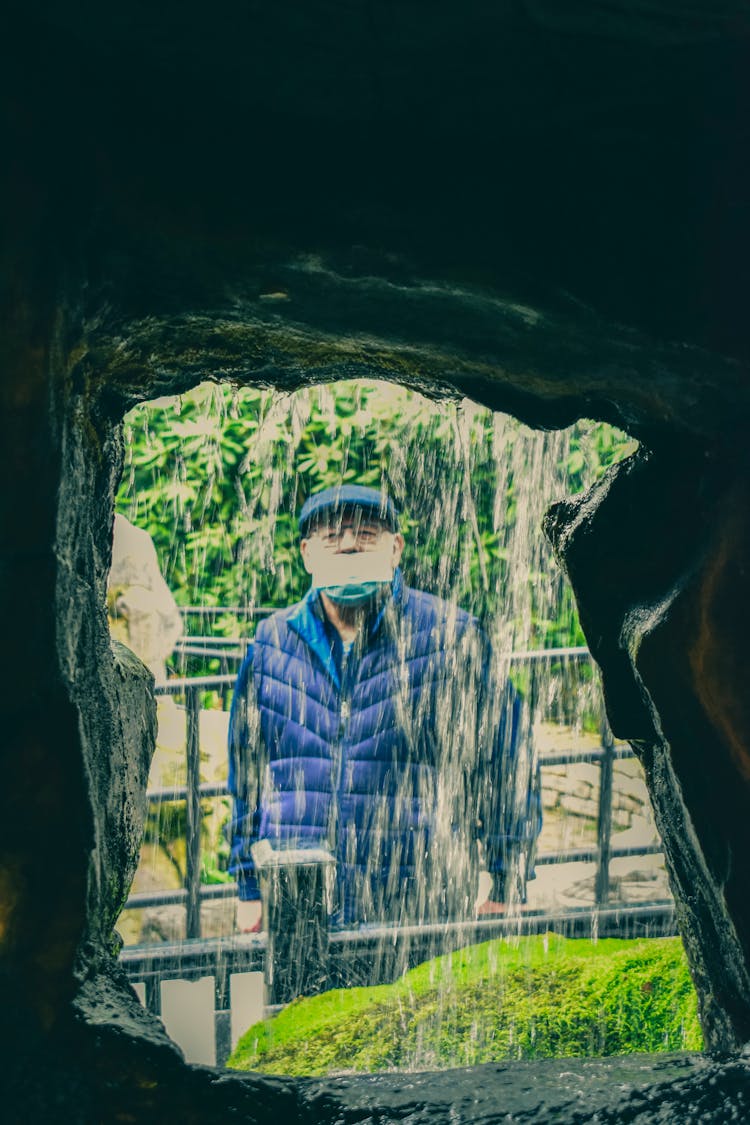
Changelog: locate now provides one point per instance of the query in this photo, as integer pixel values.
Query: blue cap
(342, 496)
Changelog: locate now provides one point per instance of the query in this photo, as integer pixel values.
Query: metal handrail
(214, 642)
(213, 891)
(213, 653)
(198, 683)
(238, 610)
(351, 951)
(194, 791)
(353, 955)
(179, 896)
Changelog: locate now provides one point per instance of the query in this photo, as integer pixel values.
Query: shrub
(538, 997)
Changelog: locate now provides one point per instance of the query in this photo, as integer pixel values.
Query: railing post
(227, 689)
(294, 886)
(604, 826)
(152, 985)
(193, 815)
(222, 1013)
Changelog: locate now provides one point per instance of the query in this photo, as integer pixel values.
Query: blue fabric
(319, 739)
(343, 496)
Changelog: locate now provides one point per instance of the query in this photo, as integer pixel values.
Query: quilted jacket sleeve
(244, 780)
(510, 802)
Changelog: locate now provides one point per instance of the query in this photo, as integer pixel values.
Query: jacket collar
(307, 620)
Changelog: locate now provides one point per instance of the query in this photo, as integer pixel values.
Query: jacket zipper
(338, 756)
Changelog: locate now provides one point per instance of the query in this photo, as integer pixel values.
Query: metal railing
(349, 949)
(364, 955)
(194, 791)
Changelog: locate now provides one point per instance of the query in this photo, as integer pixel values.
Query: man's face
(352, 532)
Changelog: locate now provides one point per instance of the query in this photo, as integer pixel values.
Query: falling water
(218, 478)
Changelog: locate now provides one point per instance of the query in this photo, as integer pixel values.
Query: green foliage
(166, 827)
(536, 997)
(218, 476)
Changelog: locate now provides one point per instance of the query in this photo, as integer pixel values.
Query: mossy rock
(537, 997)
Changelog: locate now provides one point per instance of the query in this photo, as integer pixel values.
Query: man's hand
(490, 907)
(249, 916)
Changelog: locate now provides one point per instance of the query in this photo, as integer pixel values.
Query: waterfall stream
(217, 478)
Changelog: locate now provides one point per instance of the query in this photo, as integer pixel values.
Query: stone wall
(574, 791)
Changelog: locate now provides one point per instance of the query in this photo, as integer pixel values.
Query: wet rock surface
(637, 1089)
(100, 1073)
(646, 612)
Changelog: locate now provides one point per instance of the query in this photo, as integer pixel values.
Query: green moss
(536, 997)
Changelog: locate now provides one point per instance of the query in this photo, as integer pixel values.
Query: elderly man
(365, 721)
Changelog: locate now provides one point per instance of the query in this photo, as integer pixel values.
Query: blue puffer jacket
(377, 756)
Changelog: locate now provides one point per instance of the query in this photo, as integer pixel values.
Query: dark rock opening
(628, 597)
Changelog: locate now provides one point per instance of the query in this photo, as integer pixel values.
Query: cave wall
(546, 211)
(657, 557)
